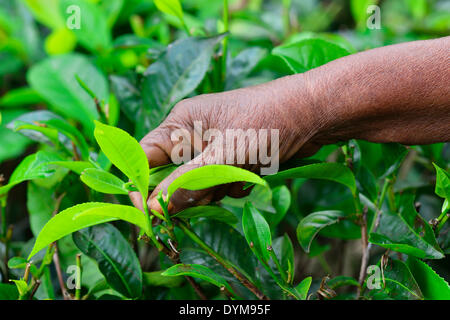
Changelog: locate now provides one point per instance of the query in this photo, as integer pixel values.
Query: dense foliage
(67, 168)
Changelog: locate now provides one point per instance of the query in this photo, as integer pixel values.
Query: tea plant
(65, 128)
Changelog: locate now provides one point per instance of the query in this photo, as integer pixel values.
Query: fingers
(157, 146)
(136, 199)
(181, 199)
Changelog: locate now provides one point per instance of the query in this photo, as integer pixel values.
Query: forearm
(398, 93)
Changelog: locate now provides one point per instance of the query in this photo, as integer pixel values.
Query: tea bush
(358, 220)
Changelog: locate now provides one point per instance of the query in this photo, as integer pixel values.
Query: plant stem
(64, 292)
(98, 105)
(35, 287)
(171, 254)
(443, 213)
(47, 284)
(348, 154)
(150, 232)
(196, 288)
(378, 205)
(277, 281)
(357, 202)
(8, 237)
(3, 215)
(78, 278)
(365, 252)
(26, 274)
(391, 195)
(238, 275)
(442, 222)
(164, 205)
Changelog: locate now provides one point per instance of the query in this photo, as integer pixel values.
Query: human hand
(272, 108)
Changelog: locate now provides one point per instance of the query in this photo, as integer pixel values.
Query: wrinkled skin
(398, 93)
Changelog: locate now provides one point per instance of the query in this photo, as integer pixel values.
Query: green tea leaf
(281, 201)
(400, 283)
(86, 215)
(21, 263)
(226, 241)
(310, 226)
(71, 132)
(260, 197)
(303, 287)
(8, 292)
(46, 12)
(327, 171)
(32, 167)
(115, 257)
(240, 66)
(431, 284)
(128, 95)
(21, 286)
(67, 221)
(393, 155)
(156, 279)
(54, 80)
(407, 232)
(112, 10)
(40, 205)
(158, 174)
(197, 271)
(341, 281)
(49, 133)
(125, 153)
(36, 131)
(284, 250)
(103, 181)
(177, 72)
(20, 97)
(257, 232)
(60, 41)
(116, 211)
(13, 143)
(309, 54)
(172, 7)
(442, 183)
(76, 166)
(210, 212)
(367, 183)
(212, 175)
